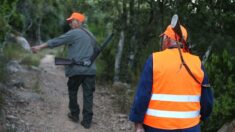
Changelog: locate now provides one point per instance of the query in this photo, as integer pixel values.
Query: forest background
(137, 25)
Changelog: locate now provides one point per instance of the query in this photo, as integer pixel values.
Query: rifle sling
(185, 65)
(91, 35)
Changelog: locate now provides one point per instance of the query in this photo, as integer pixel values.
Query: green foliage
(61, 51)
(220, 70)
(207, 22)
(30, 60)
(105, 65)
(105, 61)
(7, 10)
(15, 52)
(3, 75)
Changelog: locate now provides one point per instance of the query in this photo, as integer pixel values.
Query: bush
(3, 74)
(13, 51)
(30, 60)
(220, 71)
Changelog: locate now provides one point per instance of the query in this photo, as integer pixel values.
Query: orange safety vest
(175, 100)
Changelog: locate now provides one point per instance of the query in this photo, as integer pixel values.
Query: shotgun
(175, 24)
(97, 51)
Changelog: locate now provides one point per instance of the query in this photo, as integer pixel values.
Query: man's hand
(139, 127)
(140, 130)
(37, 48)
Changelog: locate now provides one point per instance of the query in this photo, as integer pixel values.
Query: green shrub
(3, 74)
(30, 60)
(60, 51)
(13, 51)
(105, 64)
(221, 73)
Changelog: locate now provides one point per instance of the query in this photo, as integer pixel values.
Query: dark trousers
(88, 85)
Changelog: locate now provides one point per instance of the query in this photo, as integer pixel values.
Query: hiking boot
(85, 124)
(73, 118)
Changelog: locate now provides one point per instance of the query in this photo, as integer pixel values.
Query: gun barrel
(175, 24)
(107, 41)
(98, 50)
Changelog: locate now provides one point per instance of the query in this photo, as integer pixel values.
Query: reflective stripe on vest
(172, 114)
(175, 100)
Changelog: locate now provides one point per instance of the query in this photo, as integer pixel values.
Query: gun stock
(62, 61)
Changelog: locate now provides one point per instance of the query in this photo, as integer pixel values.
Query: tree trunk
(118, 56)
(133, 51)
(38, 32)
(206, 55)
(161, 21)
(133, 31)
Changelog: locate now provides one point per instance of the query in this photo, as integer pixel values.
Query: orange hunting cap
(76, 15)
(171, 34)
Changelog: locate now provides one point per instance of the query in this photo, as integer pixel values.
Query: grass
(60, 51)
(15, 52)
(30, 60)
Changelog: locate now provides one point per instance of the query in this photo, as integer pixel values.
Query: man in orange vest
(168, 97)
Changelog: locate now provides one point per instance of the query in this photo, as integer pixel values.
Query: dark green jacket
(80, 47)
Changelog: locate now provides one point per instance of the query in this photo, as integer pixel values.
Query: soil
(43, 107)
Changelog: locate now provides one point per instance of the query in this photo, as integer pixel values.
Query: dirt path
(49, 113)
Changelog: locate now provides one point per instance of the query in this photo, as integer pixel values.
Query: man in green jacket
(81, 43)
